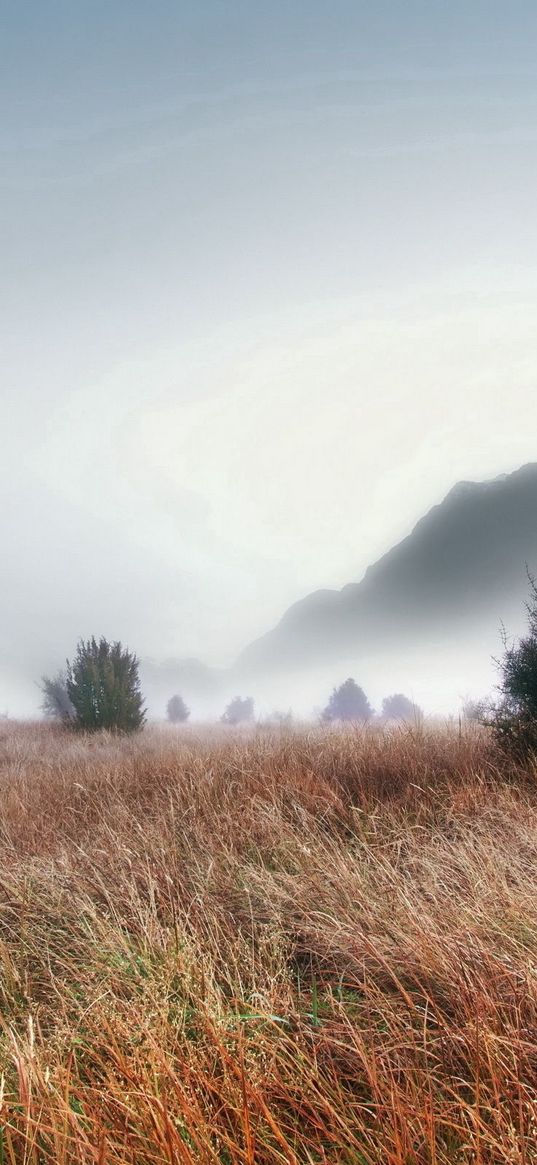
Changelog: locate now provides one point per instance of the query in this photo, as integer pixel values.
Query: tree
(239, 711)
(56, 704)
(279, 719)
(104, 687)
(399, 707)
(348, 702)
(514, 717)
(473, 710)
(176, 710)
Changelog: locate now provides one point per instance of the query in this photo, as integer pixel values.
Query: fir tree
(104, 687)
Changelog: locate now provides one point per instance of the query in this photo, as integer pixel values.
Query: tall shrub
(514, 717)
(348, 702)
(239, 711)
(176, 710)
(56, 704)
(104, 688)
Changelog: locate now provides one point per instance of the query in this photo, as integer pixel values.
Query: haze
(268, 290)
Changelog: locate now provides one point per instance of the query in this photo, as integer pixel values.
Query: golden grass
(266, 948)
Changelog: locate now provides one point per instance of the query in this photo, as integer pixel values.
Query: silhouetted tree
(399, 707)
(514, 717)
(239, 711)
(104, 687)
(348, 702)
(56, 704)
(176, 710)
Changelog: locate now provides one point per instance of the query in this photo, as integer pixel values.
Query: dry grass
(266, 948)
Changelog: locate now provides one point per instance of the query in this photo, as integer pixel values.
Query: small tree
(514, 717)
(176, 710)
(239, 711)
(399, 707)
(473, 711)
(104, 687)
(348, 702)
(279, 719)
(56, 704)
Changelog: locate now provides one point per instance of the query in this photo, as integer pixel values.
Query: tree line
(100, 689)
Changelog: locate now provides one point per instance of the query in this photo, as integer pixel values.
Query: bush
(278, 719)
(473, 710)
(104, 687)
(348, 702)
(176, 710)
(56, 704)
(239, 711)
(514, 718)
(399, 707)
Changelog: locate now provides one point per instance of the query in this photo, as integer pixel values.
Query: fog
(268, 291)
(440, 685)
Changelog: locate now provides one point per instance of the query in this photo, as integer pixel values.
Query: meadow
(266, 946)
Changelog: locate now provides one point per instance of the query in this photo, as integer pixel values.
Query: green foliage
(104, 687)
(56, 704)
(348, 702)
(176, 710)
(514, 717)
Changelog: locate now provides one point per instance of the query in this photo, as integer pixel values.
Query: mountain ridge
(462, 566)
(464, 555)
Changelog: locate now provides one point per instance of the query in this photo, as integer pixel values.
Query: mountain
(463, 567)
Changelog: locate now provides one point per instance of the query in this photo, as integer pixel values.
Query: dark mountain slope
(463, 564)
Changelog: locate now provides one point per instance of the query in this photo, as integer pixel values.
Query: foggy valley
(268, 563)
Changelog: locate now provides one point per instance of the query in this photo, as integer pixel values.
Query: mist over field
(268, 582)
(268, 293)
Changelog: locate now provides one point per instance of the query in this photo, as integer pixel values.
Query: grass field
(266, 947)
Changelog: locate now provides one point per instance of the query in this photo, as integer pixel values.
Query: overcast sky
(268, 289)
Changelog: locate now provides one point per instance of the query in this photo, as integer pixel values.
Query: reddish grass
(266, 948)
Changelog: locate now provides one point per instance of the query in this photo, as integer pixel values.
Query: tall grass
(267, 948)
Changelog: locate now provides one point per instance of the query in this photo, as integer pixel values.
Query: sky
(267, 287)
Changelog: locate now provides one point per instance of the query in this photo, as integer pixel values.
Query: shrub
(239, 711)
(348, 702)
(279, 719)
(399, 707)
(473, 710)
(56, 704)
(514, 718)
(176, 710)
(104, 687)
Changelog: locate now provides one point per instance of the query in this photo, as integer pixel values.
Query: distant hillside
(464, 564)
